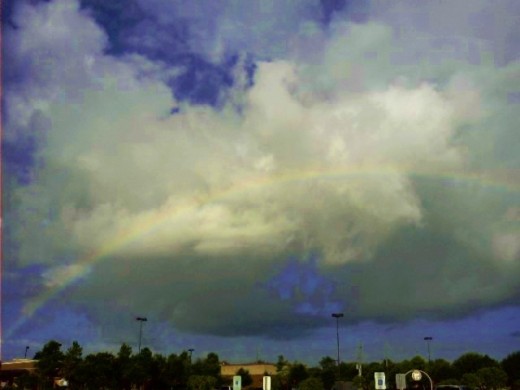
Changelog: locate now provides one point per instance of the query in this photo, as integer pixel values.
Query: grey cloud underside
(443, 269)
(400, 177)
(226, 298)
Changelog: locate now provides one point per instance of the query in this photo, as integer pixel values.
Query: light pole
(26, 349)
(337, 316)
(141, 320)
(190, 350)
(428, 339)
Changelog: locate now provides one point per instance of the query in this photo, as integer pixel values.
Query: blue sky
(236, 173)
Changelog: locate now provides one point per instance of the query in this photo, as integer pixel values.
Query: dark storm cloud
(207, 297)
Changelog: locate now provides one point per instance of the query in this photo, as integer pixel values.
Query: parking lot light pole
(337, 316)
(141, 320)
(428, 339)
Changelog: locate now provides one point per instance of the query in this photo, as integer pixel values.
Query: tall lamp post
(337, 316)
(141, 320)
(190, 351)
(26, 349)
(428, 339)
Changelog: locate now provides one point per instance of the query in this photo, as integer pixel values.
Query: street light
(190, 351)
(26, 349)
(337, 316)
(141, 320)
(428, 339)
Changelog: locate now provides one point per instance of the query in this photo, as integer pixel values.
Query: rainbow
(152, 221)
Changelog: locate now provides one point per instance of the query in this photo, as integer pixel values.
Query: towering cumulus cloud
(368, 165)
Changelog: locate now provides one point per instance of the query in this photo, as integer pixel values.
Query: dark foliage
(146, 370)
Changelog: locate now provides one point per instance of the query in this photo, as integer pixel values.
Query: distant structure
(257, 371)
(11, 370)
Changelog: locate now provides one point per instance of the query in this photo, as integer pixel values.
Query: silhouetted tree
(312, 383)
(201, 382)
(210, 366)
(72, 366)
(328, 371)
(178, 370)
(99, 371)
(245, 375)
(511, 365)
(50, 362)
(492, 378)
(441, 370)
(486, 378)
(471, 380)
(297, 373)
(159, 375)
(124, 367)
(347, 371)
(281, 363)
(281, 380)
(142, 367)
(417, 362)
(471, 362)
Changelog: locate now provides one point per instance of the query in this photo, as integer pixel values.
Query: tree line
(474, 370)
(126, 370)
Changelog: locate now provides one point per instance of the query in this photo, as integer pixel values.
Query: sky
(236, 172)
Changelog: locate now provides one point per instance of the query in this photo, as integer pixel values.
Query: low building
(11, 370)
(257, 371)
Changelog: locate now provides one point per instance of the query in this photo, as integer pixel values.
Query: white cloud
(199, 178)
(57, 72)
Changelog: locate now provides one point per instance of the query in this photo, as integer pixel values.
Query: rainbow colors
(151, 221)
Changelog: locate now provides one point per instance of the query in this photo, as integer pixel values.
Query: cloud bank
(375, 174)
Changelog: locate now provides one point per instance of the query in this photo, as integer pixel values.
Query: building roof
(228, 369)
(19, 364)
